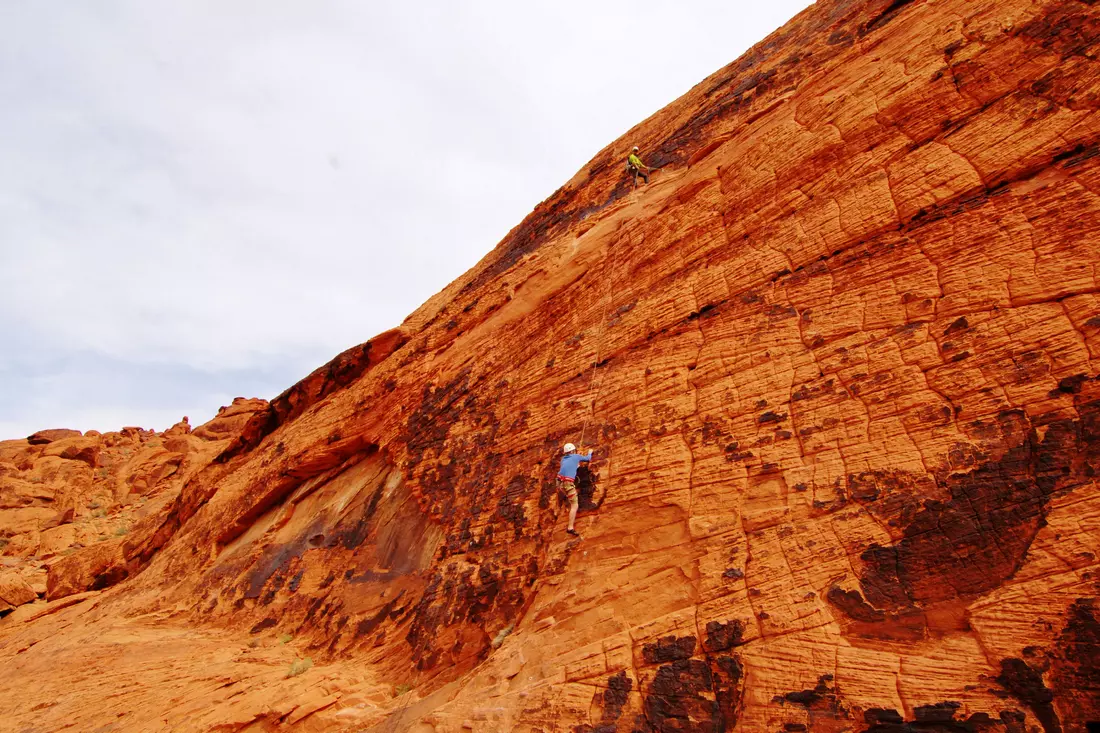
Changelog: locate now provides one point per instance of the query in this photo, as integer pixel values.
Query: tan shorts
(568, 488)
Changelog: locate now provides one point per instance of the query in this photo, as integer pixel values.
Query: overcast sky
(203, 199)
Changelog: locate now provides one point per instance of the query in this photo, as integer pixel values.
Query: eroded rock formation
(62, 491)
(840, 361)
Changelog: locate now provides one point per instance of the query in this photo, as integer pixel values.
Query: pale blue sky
(208, 199)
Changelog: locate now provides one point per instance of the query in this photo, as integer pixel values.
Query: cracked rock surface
(840, 365)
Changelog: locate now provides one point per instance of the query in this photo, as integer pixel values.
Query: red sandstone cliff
(842, 363)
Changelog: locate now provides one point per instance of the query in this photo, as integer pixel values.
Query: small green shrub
(501, 636)
(255, 643)
(121, 531)
(299, 667)
(400, 690)
(285, 639)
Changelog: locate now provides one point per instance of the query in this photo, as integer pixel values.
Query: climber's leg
(574, 504)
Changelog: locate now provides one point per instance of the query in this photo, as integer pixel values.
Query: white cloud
(247, 187)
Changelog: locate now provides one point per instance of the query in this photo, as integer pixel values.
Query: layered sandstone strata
(840, 362)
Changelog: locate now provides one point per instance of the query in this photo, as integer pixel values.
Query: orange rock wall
(840, 363)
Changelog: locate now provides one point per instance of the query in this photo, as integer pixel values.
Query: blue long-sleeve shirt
(570, 463)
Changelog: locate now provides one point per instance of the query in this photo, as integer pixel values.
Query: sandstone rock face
(840, 364)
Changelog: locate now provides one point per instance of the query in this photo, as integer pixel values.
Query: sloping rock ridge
(840, 364)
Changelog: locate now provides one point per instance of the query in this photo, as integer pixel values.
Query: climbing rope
(392, 721)
(599, 342)
(599, 349)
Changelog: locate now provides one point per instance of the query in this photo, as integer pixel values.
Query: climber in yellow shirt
(635, 165)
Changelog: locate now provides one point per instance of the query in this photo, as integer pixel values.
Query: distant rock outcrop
(64, 497)
(840, 364)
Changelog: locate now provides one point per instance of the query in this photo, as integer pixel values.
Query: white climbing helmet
(635, 148)
(568, 448)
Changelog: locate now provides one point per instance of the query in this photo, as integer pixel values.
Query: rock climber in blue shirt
(567, 480)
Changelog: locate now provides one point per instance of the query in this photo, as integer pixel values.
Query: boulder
(22, 545)
(17, 492)
(183, 427)
(36, 581)
(44, 437)
(60, 517)
(178, 444)
(92, 568)
(230, 419)
(152, 471)
(25, 519)
(57, 540)
(14, 590)
(75, 449)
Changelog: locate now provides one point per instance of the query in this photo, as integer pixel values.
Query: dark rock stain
(960, 324)
(976, 538)
(852, 604)
(668, 649)
(821, 694)
(1026, 684)
(367, 626)
(1068, 386)
(689, 694)
(940, 718)
(723, 636)
(615, 698)
(1075, 669)
(770, 417)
